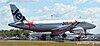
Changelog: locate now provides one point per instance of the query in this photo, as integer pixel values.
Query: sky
(60, 9)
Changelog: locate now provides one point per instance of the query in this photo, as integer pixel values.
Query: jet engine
(78, 30)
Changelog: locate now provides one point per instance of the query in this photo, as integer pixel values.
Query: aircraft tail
(17, 16)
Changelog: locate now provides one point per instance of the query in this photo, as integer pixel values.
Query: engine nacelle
(78, 30)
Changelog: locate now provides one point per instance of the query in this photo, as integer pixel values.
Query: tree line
(13, 32)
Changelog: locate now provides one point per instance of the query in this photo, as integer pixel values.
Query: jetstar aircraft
(53, 26)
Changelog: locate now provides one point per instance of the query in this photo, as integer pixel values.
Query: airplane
(54, 26)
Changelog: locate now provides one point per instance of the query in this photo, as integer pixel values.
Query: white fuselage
(47, 26)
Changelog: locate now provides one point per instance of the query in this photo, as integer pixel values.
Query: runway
(47, 43)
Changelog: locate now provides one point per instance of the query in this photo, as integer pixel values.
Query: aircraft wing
(71, 26)
(67, 27)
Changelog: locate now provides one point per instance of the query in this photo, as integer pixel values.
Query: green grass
(44, 43)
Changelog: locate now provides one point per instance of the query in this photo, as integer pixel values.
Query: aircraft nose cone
(94, 26)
